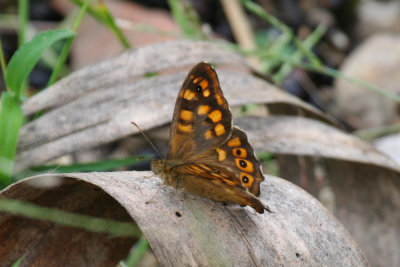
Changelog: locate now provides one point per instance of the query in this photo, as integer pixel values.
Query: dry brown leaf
(182, 229)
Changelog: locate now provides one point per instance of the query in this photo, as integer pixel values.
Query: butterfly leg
(150, 176)
(156, 193)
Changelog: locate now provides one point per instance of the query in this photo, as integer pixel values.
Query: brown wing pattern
(215, 183)
(236, 156)
(207, 155)
(240, 157)
(202, 118)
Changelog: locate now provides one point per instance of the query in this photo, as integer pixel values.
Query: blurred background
(360, 38)
(340, 56)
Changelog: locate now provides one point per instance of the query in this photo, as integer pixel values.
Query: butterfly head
(158, 166)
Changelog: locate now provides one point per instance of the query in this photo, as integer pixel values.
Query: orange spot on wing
(244, 165)
(208, 134)
(188, 95)
(196, 80)
(234, 142)
(206, 93)
(239, 152)
(219, 129)
(215, 116)
(185, 128)
(219, 98)
(204, 84)
(203, 109)
(221, 154)
(246, 179)
(186, 115)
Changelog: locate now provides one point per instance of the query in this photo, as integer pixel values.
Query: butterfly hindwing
(236, 156)
(197, 179)
(202, 118)
(240, 156)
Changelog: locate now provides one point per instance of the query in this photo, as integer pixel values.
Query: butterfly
(207, 155)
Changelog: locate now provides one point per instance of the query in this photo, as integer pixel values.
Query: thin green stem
(187, 18)
(362, 83)
(89, 223)
(3, 65)
(337, 74)
(259, 11)
(282, 41)
(23, 13)
(67, 46)
(103, 15)
(138, 252)
(110, 22)
(308, 43)
(371, 134)
(16, 264)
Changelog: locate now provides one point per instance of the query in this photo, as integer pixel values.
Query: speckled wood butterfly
(207, 155)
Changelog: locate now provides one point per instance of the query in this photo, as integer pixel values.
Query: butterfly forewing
(202, 118)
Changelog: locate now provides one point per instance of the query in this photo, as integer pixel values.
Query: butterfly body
(207, 155)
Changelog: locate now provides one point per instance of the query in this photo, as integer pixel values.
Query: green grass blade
(23, 14)
(67, 46)
(89, 223)
(186, 17)
(104, 165)
(282, 43)
(339, 75)
(26, 57)
(110, 23)
(370, 134)
(309, 43)
(259, 11)
(102, 14)
(16, 264)
(10, 121)
(3, 63)
(137, 253)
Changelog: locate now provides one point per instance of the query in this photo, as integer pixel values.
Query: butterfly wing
(236, 156)
(207, 156)
(230, 172)
(202, 118)
(220, 188)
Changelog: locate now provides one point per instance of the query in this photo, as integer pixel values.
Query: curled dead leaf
(182, 229)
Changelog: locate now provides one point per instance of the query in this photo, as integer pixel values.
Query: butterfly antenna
(148, 140)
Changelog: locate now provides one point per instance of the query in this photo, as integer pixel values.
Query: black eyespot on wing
(198, 88)
(238, 152)
(245, 179)
(243, 163)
